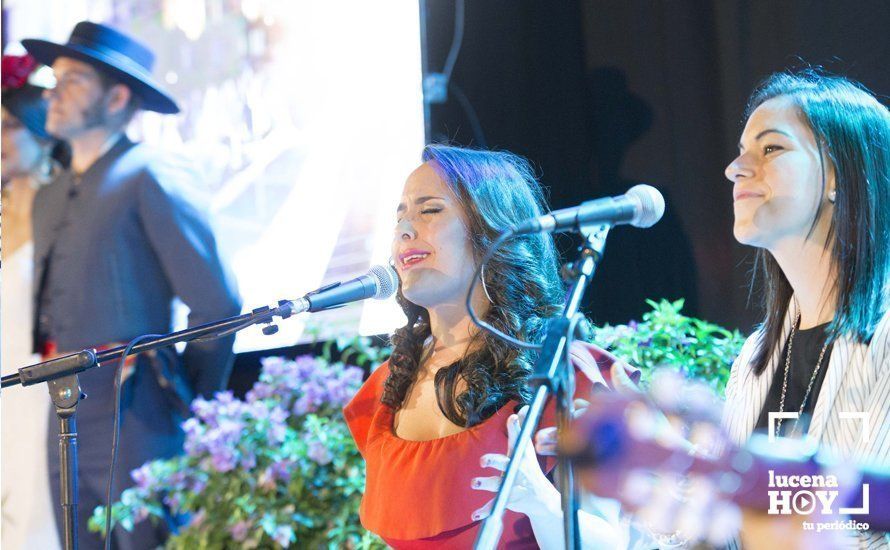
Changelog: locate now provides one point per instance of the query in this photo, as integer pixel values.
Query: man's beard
(95, 115)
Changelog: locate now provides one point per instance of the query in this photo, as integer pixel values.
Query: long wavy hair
(495, 190)
(852, 129)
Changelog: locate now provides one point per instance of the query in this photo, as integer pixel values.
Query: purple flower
(197, 486)
(192, 427)
(172, 500)
(177, 480)
(193, 447)
(223, 460)
(284, 534)
(224, 397)
(258, 410)
(277, 471)
(281, 469)
(202, 408)
(248, 461)
(302, 406)
(239, 530)
(277, 425)
(140, 514)
(319, 453)
(306, 366)
(261, 390)
(143, 477)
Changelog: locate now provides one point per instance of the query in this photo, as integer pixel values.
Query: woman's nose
(738, 169)
(405, 230)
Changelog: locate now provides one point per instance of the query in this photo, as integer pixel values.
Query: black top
(804, 355)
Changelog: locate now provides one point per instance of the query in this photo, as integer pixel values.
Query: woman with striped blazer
(812, 193)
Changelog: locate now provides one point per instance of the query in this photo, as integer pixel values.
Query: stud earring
(832, 195)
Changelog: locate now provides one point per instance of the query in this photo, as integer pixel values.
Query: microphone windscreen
(651, 205)
(386, 279)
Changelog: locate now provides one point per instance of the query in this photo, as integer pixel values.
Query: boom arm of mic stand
(552, 374)
(87, 359)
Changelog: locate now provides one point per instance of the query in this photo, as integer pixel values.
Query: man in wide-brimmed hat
(116, 238)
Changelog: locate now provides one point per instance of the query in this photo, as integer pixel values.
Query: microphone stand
(60, 374)
(553, 374)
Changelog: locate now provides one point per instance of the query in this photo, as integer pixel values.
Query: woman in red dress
(430, 422)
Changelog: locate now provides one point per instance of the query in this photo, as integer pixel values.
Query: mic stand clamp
(553, 374)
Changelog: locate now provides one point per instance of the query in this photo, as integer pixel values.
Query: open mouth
(412, 258)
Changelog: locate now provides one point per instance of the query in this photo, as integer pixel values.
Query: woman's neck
(812, 274)
(452, 329)
(18, 197)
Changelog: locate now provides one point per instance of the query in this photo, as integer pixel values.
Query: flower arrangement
(278, 469)
(15, 70)
(667, 338)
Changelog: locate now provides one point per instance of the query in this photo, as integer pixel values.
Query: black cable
(502, 238)
(115, 435)
(254, 319)
(456, 41)
(465, 104)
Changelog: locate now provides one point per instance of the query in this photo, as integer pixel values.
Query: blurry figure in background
(638, 264)
(30, 158)
(116, 238)
(812, 192)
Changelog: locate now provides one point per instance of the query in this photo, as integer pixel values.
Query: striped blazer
(857, 381)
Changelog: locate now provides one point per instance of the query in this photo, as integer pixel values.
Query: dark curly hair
(496, 190)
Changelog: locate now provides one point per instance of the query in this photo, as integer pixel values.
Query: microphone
(380, 282)
(641, 206)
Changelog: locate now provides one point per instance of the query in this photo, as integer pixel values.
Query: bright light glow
(303, 119)
(349, 75)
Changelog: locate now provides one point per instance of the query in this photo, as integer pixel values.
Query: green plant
(278, 469)
(665, 338)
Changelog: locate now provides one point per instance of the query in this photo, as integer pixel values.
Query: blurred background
(306, 117)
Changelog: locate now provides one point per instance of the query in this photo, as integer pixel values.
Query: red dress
(417, 493)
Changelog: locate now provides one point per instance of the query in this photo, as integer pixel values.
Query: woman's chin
(416, 293)
(746, 233)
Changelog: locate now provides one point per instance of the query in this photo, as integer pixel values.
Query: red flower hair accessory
(16, 69)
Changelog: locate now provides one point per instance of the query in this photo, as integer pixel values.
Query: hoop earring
(484, 287)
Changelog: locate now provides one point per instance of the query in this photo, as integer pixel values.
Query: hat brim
(27, 105)
(153, 97)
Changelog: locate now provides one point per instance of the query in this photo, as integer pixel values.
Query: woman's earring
(485, 288)
(832, 196)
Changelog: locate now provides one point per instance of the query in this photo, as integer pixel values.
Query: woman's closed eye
(424, 211)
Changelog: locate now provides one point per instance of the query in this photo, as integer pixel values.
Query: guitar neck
(772, 476)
